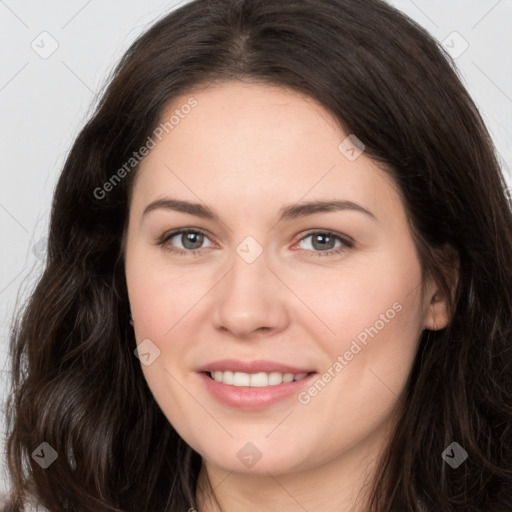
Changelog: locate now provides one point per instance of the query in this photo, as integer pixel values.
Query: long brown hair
(76, 383)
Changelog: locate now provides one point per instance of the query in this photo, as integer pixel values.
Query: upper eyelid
(180, 231)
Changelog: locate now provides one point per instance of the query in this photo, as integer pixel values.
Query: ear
(437, 303)
(437, 315)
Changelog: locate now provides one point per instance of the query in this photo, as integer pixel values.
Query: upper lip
(235, 365)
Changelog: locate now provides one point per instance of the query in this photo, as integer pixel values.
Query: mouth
(253, 385)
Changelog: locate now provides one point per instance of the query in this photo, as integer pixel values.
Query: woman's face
(269, 285)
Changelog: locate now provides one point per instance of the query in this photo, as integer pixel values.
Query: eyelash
(346, 243)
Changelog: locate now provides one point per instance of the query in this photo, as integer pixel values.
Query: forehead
(262, 141)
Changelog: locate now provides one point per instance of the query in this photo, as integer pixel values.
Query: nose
(250, 300)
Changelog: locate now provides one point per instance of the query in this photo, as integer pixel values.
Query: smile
(255, 380)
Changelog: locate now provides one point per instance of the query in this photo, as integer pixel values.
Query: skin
(247, 150)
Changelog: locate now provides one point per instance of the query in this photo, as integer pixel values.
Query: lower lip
(253, 398)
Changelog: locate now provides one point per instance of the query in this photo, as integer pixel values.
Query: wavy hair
(76, 383)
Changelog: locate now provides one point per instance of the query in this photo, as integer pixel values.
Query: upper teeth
(255, 379)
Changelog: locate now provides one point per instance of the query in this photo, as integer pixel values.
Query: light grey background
(46, 97)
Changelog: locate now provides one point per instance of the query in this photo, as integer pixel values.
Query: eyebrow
(289, 212)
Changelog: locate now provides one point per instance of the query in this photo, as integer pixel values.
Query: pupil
(196, 239)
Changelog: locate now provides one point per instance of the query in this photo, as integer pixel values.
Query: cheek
(362, 300)
(160, 295)
(376, 316)
(375, 313)
(377, 324)
(162, 305)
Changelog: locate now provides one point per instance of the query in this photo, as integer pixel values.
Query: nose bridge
(247, 300)
(249, 274)
(247, 261)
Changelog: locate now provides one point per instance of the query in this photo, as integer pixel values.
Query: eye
(325, 243)
(191, 241)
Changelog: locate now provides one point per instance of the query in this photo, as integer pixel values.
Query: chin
(254, 457)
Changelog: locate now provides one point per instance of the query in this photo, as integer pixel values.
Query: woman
(279, 277)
